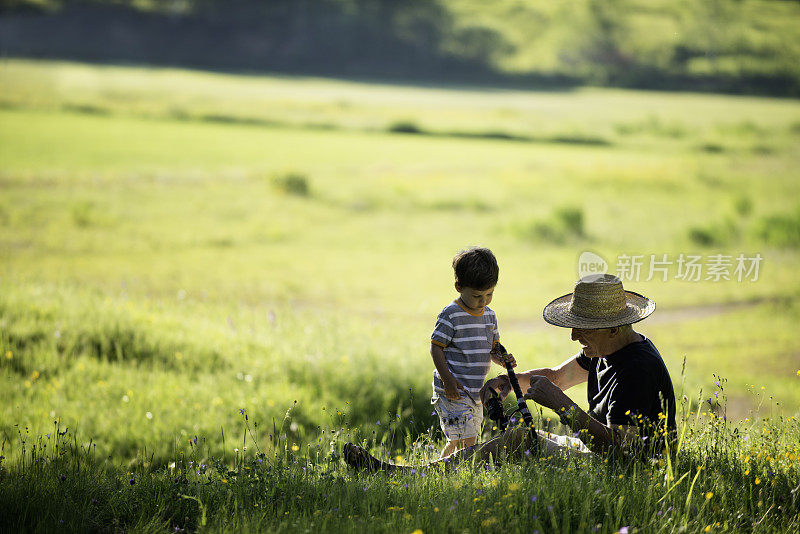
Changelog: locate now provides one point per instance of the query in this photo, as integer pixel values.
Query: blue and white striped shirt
(466, 340)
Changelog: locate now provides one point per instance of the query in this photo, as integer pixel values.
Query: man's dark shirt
(632, 387)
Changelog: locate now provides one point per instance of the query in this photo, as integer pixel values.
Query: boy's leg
(450, 448)
(461, 423)
(457, 444)
(469, 442)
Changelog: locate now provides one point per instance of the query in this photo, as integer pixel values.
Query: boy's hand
(508, 359)
(451, 388)
(501, 356)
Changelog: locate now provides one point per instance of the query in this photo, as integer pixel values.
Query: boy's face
(475, 299)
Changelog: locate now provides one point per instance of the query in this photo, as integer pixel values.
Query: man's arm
(569, 373)
(565, 375)
(597, 436)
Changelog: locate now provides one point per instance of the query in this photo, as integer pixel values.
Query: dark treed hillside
(741, 46)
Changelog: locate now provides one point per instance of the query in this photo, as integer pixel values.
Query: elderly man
(631, 400)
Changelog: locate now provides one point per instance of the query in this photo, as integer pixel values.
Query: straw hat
(599, 301)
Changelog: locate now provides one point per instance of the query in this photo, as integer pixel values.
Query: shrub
(743, 206)
(703, 236)
(571, 219)
(782, 230)
(579, 139)
(83, 214)
(565, 224)
(292, 183)
(408, 127)
(717, 234)
(712, 148)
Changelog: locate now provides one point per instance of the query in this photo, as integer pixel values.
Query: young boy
(465, 332)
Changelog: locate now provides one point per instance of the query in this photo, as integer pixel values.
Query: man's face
(594, 341)
(475, 299)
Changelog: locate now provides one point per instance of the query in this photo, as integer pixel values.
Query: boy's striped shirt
(466, 340)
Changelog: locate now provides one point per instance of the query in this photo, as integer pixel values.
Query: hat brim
(637, 308)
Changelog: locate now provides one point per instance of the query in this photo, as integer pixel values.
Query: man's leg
(515, 444)
(555, 445)
(512, 445)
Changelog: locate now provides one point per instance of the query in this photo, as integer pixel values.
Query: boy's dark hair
(476, 267)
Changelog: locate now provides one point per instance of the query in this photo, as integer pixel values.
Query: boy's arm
(451, 385)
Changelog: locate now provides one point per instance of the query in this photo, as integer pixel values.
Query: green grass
(169, 264)
(717, 481)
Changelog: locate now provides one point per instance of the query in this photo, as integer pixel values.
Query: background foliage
(742, 46)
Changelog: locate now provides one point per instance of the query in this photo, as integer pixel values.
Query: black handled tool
(495, 407)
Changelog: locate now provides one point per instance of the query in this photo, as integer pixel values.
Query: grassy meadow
(179, 250)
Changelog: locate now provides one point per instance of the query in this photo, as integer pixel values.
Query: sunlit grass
(723, 477)
(618, 116)
(159, 273)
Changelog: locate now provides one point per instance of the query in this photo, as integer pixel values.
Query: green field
(176, 246)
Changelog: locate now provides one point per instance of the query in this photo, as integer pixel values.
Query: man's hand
(544, 392)
(501, 384)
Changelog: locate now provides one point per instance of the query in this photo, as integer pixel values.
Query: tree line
(744, 46)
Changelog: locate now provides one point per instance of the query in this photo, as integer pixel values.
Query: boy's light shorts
(460, 419)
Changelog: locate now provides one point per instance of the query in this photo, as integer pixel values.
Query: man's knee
(517, 443)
